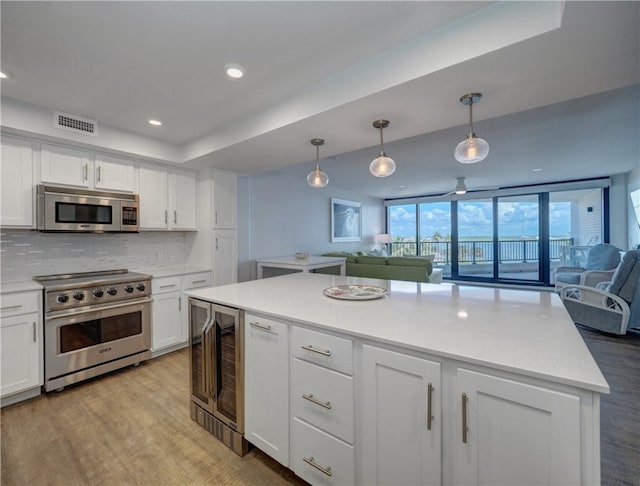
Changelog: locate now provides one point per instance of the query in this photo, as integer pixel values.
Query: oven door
(80, 213)
(85, 337)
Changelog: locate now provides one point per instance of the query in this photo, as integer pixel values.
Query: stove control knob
(128, 289)
(78, 296)
(98, 293)
(141, 287)
(62, 299)
(112, 291)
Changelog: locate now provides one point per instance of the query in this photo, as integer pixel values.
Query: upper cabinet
(224, 200)
(80, 168)
(167, 199)
(16, 183)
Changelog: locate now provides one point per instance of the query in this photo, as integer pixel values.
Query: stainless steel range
(95, 322)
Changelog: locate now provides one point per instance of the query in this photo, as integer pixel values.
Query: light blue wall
(279, 215)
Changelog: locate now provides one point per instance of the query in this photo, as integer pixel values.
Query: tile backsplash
(25, 253)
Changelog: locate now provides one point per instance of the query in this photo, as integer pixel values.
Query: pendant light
(316, 177)
(382, 166)
(472, 149)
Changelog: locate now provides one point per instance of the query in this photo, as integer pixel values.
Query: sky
(515, 219)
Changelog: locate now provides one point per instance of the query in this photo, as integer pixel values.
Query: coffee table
(302, 265)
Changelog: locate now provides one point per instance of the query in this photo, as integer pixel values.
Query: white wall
(280, 215)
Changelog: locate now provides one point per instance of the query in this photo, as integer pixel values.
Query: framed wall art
(346, 220)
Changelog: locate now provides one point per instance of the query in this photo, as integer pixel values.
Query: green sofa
(412, 269)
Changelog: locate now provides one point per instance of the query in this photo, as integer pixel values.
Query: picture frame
(346, 220)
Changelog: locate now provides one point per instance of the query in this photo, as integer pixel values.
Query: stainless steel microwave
(80, 210)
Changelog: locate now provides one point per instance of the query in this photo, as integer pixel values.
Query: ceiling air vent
(74, 123)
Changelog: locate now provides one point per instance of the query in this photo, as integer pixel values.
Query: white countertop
(171, 271)
(21, 286)
(522, 331)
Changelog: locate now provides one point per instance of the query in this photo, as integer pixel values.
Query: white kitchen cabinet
(401, 419)
(267, 386)
(189, 282)
(516, 433)
(168, 326)
(115, 174)
(167, 199)
(21, 344)
(225, 195)
(65, 165)
(16, 183)
(225, 257)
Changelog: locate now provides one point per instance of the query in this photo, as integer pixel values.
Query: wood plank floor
(133, 427)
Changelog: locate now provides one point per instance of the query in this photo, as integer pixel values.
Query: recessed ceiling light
(155, 123)
(4, 74)
(234, 71)
(537, 169)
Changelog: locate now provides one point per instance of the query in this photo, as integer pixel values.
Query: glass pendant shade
(382, 166)
(471, 150)
(317, 178)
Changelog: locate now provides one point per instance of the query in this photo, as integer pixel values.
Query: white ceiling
(328, 70)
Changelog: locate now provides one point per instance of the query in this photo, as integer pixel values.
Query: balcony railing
(471, 251)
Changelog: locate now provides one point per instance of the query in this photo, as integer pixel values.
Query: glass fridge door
(199, 326)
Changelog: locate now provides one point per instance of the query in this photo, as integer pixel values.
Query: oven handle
(94, 310)
(207, 361)
(213, 359)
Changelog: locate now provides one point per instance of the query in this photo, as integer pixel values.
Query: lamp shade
(382, 166)
(317, 178)
(471, 150)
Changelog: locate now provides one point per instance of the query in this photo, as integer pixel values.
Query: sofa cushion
(568, 277)
(409, 261)
(372, 260)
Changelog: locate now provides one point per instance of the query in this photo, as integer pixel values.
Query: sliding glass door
(519, 237)
(475, 235)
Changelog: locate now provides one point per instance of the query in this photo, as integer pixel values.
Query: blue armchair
(615, 306)
(602, 261)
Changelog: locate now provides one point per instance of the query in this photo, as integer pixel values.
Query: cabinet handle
(215, 217)
(10, 307)
(85, 172)
(464, 418)
(429, 416)
(311, 462)
(323, 352)
(199, 281)
(313, 399)
(35, 332)
(179, 304)
(99, 170)
(166, 216)
(216, 243)
(167, 286)
(265, 327)
(175, 217)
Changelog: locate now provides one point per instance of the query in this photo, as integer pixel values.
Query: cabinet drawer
(324, 349)
(323, 398)
(166, 284)
(195, 280)
(319, 458)
(19, 303)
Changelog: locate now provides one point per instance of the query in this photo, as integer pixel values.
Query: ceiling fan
(461, 187)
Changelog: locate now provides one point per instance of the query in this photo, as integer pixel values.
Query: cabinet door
(516, 433)
(267, 386)
(224, 200)
(19, 357)
(154, 190)
(64, 165)
(225, 257)
(16, 191)
(183, 215)
(113, 174)
(400, 443)
(168, 323)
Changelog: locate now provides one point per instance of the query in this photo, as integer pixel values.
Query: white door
(225, 257)
(113, 174)
(16, 185)
(267, 386)
(401, 419)
(183, 215)
(500, 414)
(224, 200)
(167, 327)
(64, 165)
(154, 191)
(19, 358)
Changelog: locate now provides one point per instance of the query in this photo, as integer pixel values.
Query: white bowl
(302, 255)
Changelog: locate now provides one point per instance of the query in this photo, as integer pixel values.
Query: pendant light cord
(381, 144)
(470, 117)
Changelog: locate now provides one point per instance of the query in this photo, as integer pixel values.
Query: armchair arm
(591, 278)
(592, 297)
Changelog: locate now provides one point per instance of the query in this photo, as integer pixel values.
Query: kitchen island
(431, 384)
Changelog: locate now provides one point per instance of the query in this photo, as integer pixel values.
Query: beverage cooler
(217, 376)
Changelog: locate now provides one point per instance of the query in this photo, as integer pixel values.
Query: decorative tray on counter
(355, 292)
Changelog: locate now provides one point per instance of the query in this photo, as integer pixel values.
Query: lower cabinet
(401, 419)
(266, 386)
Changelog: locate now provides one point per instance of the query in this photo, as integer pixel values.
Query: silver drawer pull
(313, 399)
(265, 327)
(323, 352)
(10, 307)
(311, 462)
(464, 418)
(429, 414)
(199, 281)
(167, 286)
